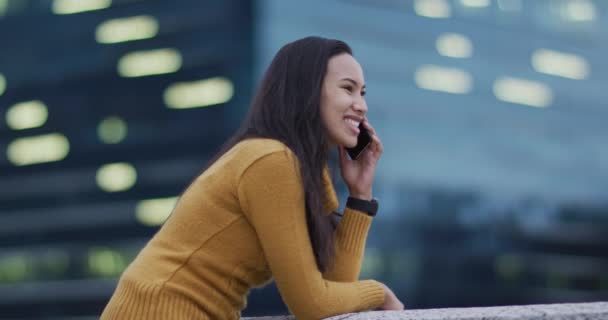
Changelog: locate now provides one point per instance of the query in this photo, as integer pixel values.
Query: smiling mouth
(353, 125)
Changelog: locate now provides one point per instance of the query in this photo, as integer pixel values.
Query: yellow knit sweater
(239, 225)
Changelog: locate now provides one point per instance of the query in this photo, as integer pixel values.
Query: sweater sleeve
(271, 194)
(351, 236)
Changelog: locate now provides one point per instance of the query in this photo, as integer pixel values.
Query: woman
(262, 209)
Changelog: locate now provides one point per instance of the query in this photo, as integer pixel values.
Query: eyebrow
(354, 82)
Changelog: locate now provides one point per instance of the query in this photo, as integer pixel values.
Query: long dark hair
(286, 107)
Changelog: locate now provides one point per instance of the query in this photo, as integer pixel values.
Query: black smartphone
(363, 140)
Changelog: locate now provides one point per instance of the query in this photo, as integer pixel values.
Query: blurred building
(492, 185)
(109, 109)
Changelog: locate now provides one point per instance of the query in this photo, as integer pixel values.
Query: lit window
(76, 6)
(475, 3)
(116, 177)
(38, 149)
(26, 115)
(3, 7)
(578, 10)
(432, 8)
(437, 78)
(201, 93)
(105, 262)
(145, 63)
(560, 64)
(454, 45)
(2, 82)
(112, 130)
(154, 212)
(127, 29)
(525, 92)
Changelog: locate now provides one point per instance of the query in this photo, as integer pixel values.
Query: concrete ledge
(565, 311)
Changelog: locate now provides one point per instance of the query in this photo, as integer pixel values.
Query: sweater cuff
(371, 293)
(353, 230)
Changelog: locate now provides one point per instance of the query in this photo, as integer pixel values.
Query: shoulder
(262, 153)
(267, 171)
(260, 146)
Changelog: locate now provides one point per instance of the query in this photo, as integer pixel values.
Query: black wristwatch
(368, 206)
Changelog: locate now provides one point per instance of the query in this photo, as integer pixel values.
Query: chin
(345, 141)
(350, 143)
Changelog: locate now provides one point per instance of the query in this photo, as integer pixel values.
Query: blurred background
(493, 185)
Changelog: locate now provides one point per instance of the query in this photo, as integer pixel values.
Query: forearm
(351, 236)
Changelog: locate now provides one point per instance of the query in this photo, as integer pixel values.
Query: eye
(348, 88)
(363, 93)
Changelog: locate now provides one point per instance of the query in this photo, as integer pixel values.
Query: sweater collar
(331, 198)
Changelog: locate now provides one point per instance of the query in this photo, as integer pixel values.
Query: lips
(352, 125)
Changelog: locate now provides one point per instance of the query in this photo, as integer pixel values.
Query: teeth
(352, 122)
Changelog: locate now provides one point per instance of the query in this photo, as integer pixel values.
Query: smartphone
(363, 140)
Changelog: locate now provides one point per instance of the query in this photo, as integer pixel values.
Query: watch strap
(368, 206)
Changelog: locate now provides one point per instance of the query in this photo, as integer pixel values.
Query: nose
(360, 107)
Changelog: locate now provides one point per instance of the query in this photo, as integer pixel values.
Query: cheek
(328, 118)
(337, 104)
(328, 108)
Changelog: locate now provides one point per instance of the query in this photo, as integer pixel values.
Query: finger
(369, 127)
(377, 149)
(379, 146)
(373, 135)
(376, 143)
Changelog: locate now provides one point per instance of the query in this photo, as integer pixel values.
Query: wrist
(370, 207)
(362, 196)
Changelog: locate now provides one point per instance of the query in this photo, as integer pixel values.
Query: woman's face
(343, 104)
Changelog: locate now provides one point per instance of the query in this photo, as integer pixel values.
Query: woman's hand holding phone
(358, 174)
